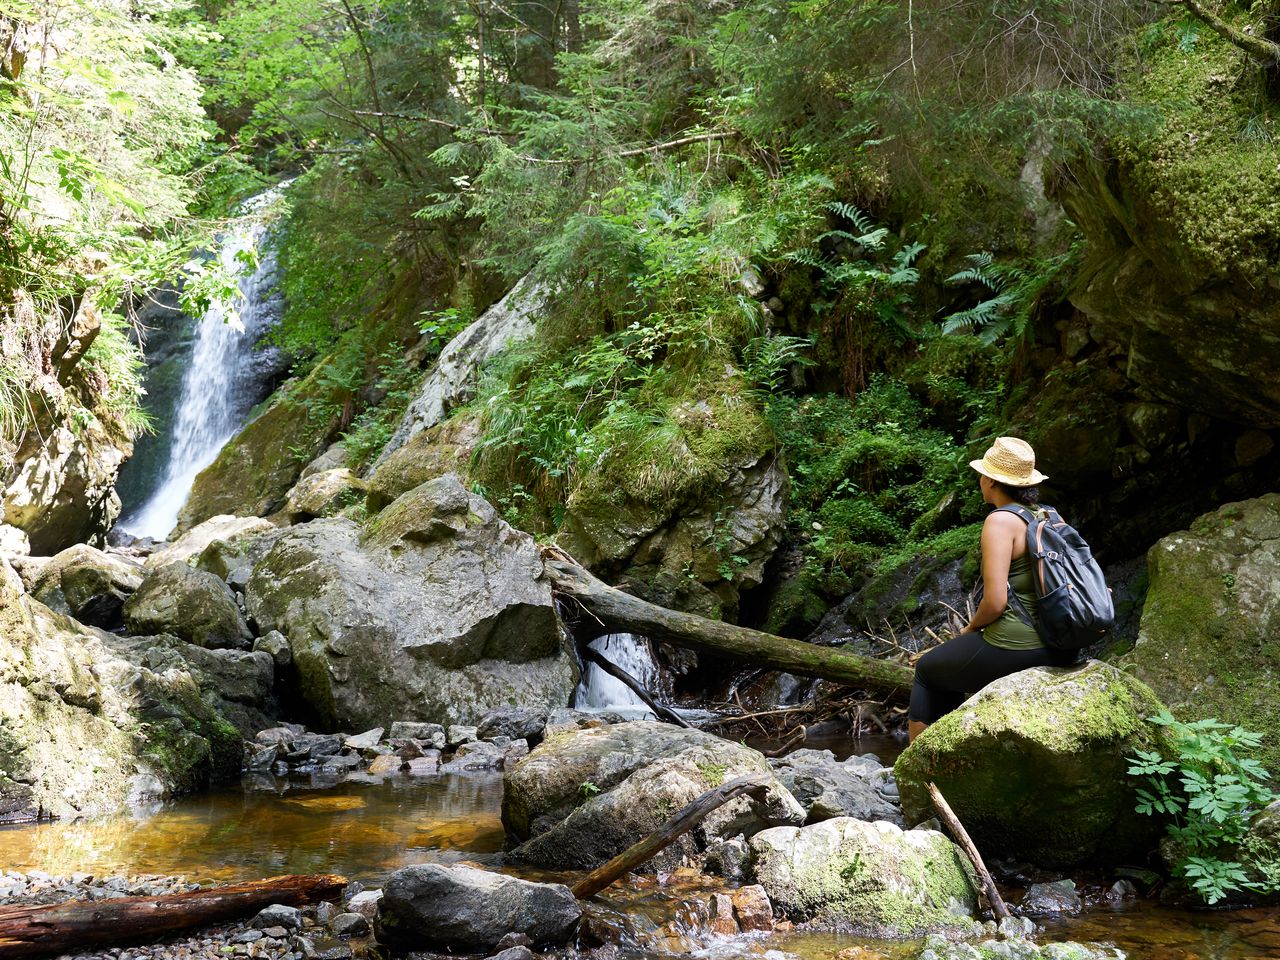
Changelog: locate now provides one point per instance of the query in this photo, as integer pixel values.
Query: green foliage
(1015, 291)
(372, 427)
(1208, 788)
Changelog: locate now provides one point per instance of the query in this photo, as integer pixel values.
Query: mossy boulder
(436, 611)
(1183, 229)
(1209, 640)
(1260, 850)
(86, 729)
(86, 583)
(869, 878)
(225, 528)
(191, 604)
(427, 454)
(323, 494)
(583, 796)
(1035, 766)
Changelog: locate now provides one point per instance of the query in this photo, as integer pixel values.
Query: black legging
(948, 675)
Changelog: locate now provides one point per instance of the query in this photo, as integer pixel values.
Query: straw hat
(1011, 461)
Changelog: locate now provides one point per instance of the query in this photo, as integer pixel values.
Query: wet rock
(518, 724)
(366, 904)
(1035, 766)
(225, 528)
(722, 921)
(1013, 948)
(469, 910)
(324, 949)
(752, 909)
(1121, 891)
(459, 734)
(431, 734)
(278, 915)
(519, 952)
(364, 741)
(190, 604)
(437, 609)
(584, 796)
(1212, 596)
(89, 584)
(426, 766)
(728, 858)
(323, 494)
(385, 765)
(349, 925)
(1060, 896)
(873, 879)
(827, 788)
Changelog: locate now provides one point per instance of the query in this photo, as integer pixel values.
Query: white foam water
(599, 691)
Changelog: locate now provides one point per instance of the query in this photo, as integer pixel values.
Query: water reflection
(360, 830)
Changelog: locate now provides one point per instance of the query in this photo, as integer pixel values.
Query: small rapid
(219, 386)
(599, 691)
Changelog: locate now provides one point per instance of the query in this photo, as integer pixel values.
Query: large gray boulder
(829, 788)
(468, 910)
(1206, 644)
(1035, 766)
(435, 611)
(873, 879)
(190, 604)
(86, 728)
(224, 528)
(86, 583)
(583, 796)
(323, 494)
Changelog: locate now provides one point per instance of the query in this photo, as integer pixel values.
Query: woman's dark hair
(1027, 496)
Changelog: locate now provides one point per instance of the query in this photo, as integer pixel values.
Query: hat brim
(1036, 476)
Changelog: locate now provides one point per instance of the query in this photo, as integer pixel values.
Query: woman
(996, 641)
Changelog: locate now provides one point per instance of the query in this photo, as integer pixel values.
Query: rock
(278, 915)
(693, 552)
(828, 789)
(323, 494)
(63, 490)
(721, 909)
(1210, 605)
(872, 879)
(452, 379)
(1013, 948)
(1035, 766)
(366, 904)
(276, 647)
(460, 734)
(191, 604)
(349, 925)
(1060, 896)
(584, 796)
(90, 585)
(430, 453)
(518, 724)
(386, 765)
(1122, 891)
(334, 456)
(428, 733)
(728, 858)
(13, 542)
(1259, 852)
(86, 729)
(436, 610)
(752, 909)
(469, 910)
(364, 741)
(225, 528)
(518, 952)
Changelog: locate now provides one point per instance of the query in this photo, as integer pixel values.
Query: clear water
(218, 386)
(366, 831)
(599, 691)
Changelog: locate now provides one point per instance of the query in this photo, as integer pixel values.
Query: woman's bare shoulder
(1003, 520)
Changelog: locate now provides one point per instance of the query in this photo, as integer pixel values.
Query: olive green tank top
(1010, 631)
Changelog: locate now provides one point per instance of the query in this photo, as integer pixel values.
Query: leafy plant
(1209, 790)
(1014, 290)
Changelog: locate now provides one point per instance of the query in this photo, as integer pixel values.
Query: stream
(366, 828)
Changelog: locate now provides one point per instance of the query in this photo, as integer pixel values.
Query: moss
(713, 773)
(1208, 173)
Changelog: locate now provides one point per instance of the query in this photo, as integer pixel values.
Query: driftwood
(27, 931)
(624, 613)
(966, 844)
(754, 785)
(615, 671)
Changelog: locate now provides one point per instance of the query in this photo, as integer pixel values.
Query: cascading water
(599, 691)
(221, 383)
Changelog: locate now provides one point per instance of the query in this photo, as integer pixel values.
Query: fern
(1016, 290)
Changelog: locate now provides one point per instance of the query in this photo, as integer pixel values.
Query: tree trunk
(624, 613)
(27, 931)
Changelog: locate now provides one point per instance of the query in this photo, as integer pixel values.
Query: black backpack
(1074, 606)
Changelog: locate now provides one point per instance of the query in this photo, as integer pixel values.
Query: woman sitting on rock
(996, 641)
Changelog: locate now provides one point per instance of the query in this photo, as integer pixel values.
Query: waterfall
(220, 384)
(599, 691)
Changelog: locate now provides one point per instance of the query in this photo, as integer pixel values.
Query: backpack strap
(1033, 525)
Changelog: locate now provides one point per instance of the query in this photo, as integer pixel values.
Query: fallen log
(28, 930)
(971, 851)
(685, 820)
(624, 613)
(615, 671)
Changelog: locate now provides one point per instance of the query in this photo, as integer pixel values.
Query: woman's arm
(999, 532)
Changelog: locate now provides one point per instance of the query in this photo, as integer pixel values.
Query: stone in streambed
(872, 879)
(518, 724)
(278, 915)
(89, 584)
(1060, 896)
(828, 788)
(468, 910)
